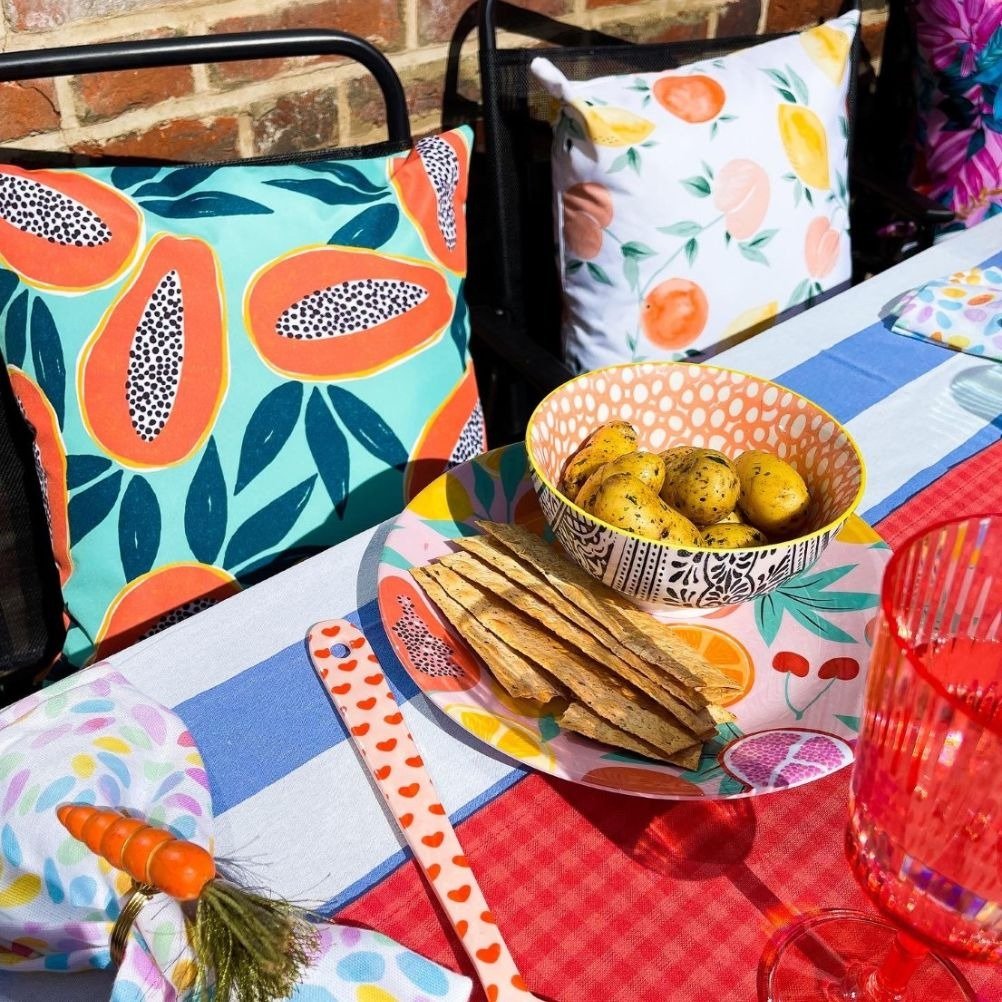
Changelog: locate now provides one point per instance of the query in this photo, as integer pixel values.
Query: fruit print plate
(799, 654)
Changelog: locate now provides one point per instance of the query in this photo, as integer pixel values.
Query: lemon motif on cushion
(829, 50)
(806, 144)
(611, 126)
(505, 735)
(754, 319)
(444, 499)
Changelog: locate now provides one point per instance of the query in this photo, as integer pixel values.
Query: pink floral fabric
(960, 105)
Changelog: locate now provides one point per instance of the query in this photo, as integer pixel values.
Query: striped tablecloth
(602, 897)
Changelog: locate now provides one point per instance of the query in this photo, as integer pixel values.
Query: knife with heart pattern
(352, 675)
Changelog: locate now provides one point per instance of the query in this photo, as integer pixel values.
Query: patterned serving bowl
(680, 403)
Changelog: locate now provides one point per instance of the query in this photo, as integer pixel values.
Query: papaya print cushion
(227, 367)
(694, 205)
(95, 739)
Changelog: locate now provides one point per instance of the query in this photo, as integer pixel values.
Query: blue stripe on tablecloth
(985, 437)
(864, 369)
(388, 865)
(228, 716)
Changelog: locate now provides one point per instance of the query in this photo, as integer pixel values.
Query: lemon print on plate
(611, 126)
(505, 735)
(806, 144)
(444, 499)
(856, 530)
(829, 50)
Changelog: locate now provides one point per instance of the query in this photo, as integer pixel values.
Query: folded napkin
(94, 739)
(962, 311)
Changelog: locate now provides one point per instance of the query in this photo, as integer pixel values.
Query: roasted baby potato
(704, 487)
(624, 501)
(675, 457)
(646, 466)
(774, 497)
(608, 442)
(728, 535)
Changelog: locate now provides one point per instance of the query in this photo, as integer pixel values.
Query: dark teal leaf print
(269, 526)
(798, 85)
(483, 487)
(268, 430)
(327, 191)
(817, 623)
(634, 248)
(691, 250)
(696, 185)
(205, 507)
(91, 507)
(685, 228)
(800, 293)
(126, 177)
(598, 273)
(347, 174)
(8, 283)
(17, 330)
(139, 525)
(459, 329)
(329, 449)
(47, 354)
(368, 427)
(513, 470)
(204, 204)
(177, 182)
(83, 469)
(371, 228)
(752, 253)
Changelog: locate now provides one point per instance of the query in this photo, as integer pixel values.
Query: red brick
(104, 95)
(681, 27)
(740, 18)
(182, 139)
(786, 15)
(29, 106)
(437, 19)
(422, 85)
(47, 15)
(380, 21)
(296, 122)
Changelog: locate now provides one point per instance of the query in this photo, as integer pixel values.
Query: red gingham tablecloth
(608, 898)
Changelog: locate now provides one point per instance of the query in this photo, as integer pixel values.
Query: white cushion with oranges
(694, 205)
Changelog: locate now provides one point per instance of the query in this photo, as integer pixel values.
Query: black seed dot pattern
(471, 438)
(182, 612)
(442, 167)
(155, 359)
(348, 307)
(44, 212)
(43, 481)
(428, 654)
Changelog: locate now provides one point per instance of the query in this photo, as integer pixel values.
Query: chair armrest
(909, 203)
(540, 369)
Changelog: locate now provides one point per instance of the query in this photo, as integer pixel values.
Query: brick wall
(223, 110)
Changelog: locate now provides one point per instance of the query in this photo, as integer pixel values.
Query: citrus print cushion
(94, 739)
(229, 366)
(694, 205)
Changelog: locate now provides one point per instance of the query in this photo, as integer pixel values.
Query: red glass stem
(889, 981)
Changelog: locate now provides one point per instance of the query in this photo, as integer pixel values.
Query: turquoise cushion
(227, 367)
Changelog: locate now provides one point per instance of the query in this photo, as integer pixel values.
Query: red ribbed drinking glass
(925, 827)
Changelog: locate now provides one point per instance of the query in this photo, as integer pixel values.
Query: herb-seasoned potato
(675, 457)
(628, 503)
(774, 497)
(608, 442)
(728, 535)
(703, 487)
(646, 466)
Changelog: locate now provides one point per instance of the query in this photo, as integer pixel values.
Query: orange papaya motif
(156, 600)
(431, 182)
(152, 377)
(65, 230)
(50, 465)
(453, 434)
(324, 313)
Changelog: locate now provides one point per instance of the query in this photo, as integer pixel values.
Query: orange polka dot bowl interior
(684, 404)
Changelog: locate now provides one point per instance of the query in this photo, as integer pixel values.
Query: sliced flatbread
(632, 627)
(581, 720)
(591, 684)
(495, 554)
(468, 566)
(517, 676)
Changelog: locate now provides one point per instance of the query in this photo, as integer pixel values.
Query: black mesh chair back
(513, 277)
(31, 622)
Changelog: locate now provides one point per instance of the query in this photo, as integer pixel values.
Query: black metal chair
(31, 623)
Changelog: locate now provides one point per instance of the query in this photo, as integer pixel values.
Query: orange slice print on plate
(723, 652)
(856, 530)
